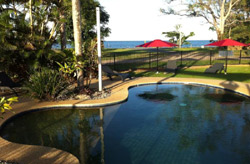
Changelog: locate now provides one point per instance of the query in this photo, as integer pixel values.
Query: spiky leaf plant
(46, 84)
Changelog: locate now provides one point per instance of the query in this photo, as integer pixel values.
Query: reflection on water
(75, 131)
(204, 130)
(226, 98)
(158, 96)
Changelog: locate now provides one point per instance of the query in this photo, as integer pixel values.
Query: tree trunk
(76, 16)
(224, 14)
(219, 35)
(63, 27)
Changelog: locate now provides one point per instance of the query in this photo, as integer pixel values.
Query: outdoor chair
(109, 72)
(217, 67)
(6, 81)
(171, 66)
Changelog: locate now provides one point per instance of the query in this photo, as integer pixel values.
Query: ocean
(133, 44)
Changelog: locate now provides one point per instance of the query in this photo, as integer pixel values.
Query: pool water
(159, 124)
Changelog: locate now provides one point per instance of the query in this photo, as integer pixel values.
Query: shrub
(46, 84)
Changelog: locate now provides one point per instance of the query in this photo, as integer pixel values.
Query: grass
(234, 73)
(189, 63)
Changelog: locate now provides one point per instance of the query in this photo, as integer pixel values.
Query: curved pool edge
(119, 94)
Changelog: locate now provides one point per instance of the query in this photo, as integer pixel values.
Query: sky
(132, 20)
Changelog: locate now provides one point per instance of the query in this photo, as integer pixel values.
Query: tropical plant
(5, 104)
(177, 36)
(91, 61)
(46, 84)
(69, 70)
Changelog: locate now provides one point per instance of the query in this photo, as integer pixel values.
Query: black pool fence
(148, 60)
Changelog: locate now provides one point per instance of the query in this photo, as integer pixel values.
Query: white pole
(99, 48)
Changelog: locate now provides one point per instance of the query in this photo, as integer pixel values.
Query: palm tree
(76, 16)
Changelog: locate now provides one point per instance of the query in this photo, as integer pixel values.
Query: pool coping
(119, 94)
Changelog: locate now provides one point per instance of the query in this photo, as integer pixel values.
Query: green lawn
(239, 73)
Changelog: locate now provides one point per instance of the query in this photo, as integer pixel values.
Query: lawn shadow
(166, 78)
(231, 85)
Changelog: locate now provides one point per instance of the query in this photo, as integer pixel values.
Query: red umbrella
(157, 43)
(225, 43)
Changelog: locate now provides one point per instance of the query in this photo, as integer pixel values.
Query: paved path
(28, 154)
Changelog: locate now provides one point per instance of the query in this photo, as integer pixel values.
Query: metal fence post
(157, 60)
(240, 57)
(114, 61)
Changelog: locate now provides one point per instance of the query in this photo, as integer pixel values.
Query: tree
(88, 22)
(215, 12)
(239, 30)
(29, 28)
(26, 43)
(62, 15)
(76, 17)
(177, 34)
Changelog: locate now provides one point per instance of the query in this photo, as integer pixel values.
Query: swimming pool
(168, 123)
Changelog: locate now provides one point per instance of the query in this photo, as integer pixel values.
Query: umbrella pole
(210, 57)
(157, 59)
(240, 57)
